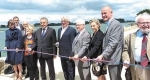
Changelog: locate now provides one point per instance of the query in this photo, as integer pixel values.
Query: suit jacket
(95, 47)
(45, 44)
(80, 46)
(113, 42)
(129, 50)
(65, 42)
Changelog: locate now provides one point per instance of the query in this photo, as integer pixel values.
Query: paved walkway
(58, 69)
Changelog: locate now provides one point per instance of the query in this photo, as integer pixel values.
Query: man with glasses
(137, 49)
(79, 48)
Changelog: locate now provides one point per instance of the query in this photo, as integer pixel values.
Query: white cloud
(55, 9)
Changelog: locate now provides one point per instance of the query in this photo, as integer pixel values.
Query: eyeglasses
(79, 24)
(144, 23)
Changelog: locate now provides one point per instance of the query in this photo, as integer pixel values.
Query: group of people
(80, 48)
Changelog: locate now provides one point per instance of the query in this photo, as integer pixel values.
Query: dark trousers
(115, 72)
(68, 67)
(50, 64)
(31, 63)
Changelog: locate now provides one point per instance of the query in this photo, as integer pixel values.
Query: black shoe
(23, 72)
(27, 75)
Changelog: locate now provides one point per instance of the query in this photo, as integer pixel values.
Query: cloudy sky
(33, 10)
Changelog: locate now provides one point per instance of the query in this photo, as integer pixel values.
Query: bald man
(112, 43)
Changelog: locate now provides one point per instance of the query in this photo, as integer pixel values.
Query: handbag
(9, 70)
(98, 68)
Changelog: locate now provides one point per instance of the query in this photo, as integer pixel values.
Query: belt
(140, 63)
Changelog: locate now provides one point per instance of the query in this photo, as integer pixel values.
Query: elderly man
(66, 35)
(112, 43)
(45, 38)
(137, 49)
(25, 25)
(79, 49)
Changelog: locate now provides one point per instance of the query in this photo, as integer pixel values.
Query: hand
(70, 58)
(75, 57)
(126, 64)
(57, 44)
(54, 56)
(5, 48)
(84, 59)
(29, 49)
(17, 49)
(99, 58)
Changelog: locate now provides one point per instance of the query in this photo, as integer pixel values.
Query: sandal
(16, 76)
(20, 76)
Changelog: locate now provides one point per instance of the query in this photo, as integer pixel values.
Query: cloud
(33, 10)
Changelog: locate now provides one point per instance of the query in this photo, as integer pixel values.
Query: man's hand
(54, 56)
(5, 48)
(126, 64)
(17, 49)
(84, 59)
(99, 58)
(75, 57)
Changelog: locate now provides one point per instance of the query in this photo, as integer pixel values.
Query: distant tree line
(87, 22)
(143, 11)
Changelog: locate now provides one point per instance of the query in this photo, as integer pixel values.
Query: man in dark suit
(45, 38)
(112, 43)
(66, 36)
(17, 24)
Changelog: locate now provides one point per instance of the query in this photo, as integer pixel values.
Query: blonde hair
(96, 21)
(31, 27)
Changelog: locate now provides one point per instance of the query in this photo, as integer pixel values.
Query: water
(88, 28)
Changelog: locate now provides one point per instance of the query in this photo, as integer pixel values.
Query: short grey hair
(65, 18)
(80, 21)
(144, 15)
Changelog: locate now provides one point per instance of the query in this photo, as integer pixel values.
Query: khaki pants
(142, 73)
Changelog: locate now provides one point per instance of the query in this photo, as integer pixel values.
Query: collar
(45, 28)
(109, 21)
(64, 28)
(82, 31)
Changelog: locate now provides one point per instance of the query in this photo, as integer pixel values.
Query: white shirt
(18, 26)
(45, 30)
(81, 33)
(62, 31)
(138, 46)
(108, 23)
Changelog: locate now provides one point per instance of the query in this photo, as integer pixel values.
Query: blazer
(80, 46)
(129, 50)
(95, 47)
(65, 42)
(45, 44)
(113, 42)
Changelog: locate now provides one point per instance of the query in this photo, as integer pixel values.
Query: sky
(33, 10)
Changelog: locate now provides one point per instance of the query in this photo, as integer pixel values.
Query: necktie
(75, 39)
(144, 59)
(43, 32)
